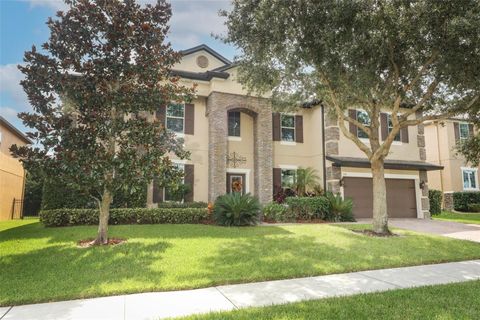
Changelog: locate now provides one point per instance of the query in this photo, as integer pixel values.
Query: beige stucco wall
(398, 150)
(189, 62)
(11, 173)
(440, 145)
(306, 154)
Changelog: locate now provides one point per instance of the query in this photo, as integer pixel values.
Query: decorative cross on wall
(235, 159)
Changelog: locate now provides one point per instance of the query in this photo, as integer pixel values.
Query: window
(289, 178)
(470, 180)
(175, 117)
(176, 192)
(363, 118)
(287, 124)
(234, 124)
(464, 131)
(390, 128)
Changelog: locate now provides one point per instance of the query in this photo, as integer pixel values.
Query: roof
(14, 130)
(209, 50)
(389, 164)
(206, 76)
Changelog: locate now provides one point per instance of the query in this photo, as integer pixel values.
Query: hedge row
(73, 217)
(307, 208)
(463, 200)
(435, 199)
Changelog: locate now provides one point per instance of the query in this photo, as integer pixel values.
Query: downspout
(439, 158)
(323, 150)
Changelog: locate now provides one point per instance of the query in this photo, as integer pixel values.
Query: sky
(22, 24)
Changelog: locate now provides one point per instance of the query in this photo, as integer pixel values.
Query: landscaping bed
(45, 264)
(452, 301)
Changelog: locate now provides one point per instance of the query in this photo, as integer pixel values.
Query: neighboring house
(457, 175)
(12, 174)
(236, 137)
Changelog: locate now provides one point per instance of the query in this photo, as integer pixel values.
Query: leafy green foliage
(277, 212)
(435, 198)
(33, 194)
(307, 208)
(474, 207)
(196, 204)
(461, 200)
(75, 217)
(94, 87)
(339, 209)
(306, 181)
(470, 149)
(235, 209)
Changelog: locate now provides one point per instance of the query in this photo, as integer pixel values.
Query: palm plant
(307, 179)
(235, 209)
(340, 209)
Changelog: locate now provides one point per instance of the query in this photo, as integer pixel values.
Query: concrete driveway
(444, 228)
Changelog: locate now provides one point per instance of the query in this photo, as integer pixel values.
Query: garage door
(401, 202)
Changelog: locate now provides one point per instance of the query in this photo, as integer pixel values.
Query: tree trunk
(380, 216)
(104, 206)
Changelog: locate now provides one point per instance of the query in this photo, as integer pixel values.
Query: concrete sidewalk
(181, 303)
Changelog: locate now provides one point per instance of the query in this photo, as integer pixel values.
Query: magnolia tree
(94, 90)
(419, 57)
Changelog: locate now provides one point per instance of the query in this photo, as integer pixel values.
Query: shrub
(235, 209)
(307, 208)
(198, 204)
(339, 209)
(435, 198)
(282, 194)
(72, 217)
(461, 200)
(474, 207)
(277, 212)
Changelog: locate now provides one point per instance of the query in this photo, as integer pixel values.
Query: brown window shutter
(299, 129)
(157, 192)
(161, 111)
(189, 118)
(276, 126)
(277, 180)
(384, 125)
(470, 129)
(352, 113)
(189, 180)
(456, 129)
(404, 135)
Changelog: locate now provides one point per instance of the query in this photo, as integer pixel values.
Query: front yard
(44, 264)
(473, 218)
(452, 301)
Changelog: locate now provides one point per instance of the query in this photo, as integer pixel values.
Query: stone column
(263, 154)
(332, 136)
(425, 201)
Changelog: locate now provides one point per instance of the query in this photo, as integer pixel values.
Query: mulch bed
(89, 242)
(370, 233)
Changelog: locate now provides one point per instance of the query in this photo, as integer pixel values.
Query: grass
(452, 301)
(473, 218)
(44, 264)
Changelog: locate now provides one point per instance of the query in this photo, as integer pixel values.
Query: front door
(236, 182)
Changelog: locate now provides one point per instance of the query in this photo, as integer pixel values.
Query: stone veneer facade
(218, 106)
(332, 137)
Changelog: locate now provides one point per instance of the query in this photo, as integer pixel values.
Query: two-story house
(237, 137)
(12, 174)
(457, 175)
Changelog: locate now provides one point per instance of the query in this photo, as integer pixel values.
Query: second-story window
(363, 118)
(390, 128)
(287, 124)
(175, 117)
(464, 131)
(234, 124)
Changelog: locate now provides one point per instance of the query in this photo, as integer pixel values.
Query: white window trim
(460, 130)
(475, 170)
(234, 138)
(395, 143)
(284, 142)
(418, 191)
(178, 134)
(247, 176)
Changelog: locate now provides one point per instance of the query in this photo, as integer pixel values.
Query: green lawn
(44, 264)
(473, 218)
(452, 301)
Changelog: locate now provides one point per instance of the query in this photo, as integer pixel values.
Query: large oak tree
(409, 57)
(94, 89)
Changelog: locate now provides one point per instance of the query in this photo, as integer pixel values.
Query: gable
(200, 59)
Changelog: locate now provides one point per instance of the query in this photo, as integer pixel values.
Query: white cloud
(52, 4)
(10, 78)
